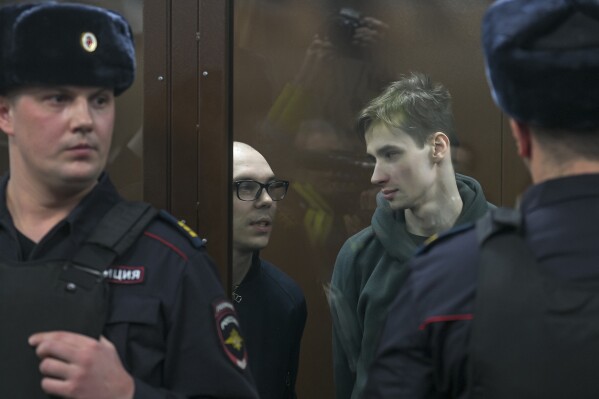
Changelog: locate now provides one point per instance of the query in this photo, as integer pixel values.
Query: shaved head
(252, 220)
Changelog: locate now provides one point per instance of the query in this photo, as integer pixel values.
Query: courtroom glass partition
(299, 80)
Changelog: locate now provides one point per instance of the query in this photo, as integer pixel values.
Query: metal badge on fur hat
(65, 44)
(542, 59)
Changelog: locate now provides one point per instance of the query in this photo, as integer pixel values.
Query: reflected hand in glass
(250, 190)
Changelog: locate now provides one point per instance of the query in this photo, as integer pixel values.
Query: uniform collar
(558, 190)
(94, 206)
(76, 226)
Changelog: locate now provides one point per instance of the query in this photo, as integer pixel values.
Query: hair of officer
(566, 144)
(415, 104)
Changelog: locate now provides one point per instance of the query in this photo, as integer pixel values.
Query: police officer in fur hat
(99, 297)
(507, 308)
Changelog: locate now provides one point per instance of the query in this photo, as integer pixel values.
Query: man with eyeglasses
(271, 306)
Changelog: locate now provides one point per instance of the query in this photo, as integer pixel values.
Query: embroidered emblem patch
(125, 274)
(227, 327)
(89, 42)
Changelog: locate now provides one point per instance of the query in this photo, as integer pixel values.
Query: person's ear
(6, 116)
(439, 146)
(521, 134)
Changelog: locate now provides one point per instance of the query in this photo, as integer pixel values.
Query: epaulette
(498, 220)
(437, 238)
(193, 237)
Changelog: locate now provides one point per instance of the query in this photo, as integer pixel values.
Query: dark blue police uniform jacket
(163, 291)
(272, 312)
(423, 350)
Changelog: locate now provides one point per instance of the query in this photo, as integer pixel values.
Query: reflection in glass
(302, 71)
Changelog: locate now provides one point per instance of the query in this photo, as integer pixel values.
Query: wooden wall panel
(184, 110)
(215, 143)
(186, 142)
(156, 129)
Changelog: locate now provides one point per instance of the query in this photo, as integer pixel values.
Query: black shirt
(272, 311)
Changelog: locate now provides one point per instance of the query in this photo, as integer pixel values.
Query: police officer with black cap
(99, 297)
(507, 307)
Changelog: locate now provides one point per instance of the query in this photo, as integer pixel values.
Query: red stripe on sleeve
(168, 244)
(442, 318)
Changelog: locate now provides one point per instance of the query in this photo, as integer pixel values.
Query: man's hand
(316, 63)
(76, 366)
(371, 32)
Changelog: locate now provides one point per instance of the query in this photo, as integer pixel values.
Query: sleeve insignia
(193, 237)
(228, 331)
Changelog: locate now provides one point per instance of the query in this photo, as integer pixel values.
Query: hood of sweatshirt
(390, 226)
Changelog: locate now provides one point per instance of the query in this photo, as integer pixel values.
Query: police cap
(65, 44)
(542, 61)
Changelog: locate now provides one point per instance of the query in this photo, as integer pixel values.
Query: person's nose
(81, 116)
(263, 200)
(379, 176)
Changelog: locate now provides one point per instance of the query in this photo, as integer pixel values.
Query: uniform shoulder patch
(193, 237)
(229, 333)
(437, 238)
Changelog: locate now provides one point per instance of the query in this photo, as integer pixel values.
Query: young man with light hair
(507, 308)
(407, 131)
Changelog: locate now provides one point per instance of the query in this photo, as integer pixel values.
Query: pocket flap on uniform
(132, 309)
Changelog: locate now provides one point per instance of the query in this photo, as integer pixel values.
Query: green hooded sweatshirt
(370, 270)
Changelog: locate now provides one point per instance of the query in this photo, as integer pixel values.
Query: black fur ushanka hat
(65, 44)
(542, 60)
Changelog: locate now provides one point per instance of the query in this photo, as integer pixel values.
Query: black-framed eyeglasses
(251, 190)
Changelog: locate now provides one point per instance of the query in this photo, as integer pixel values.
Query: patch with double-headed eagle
(227, 328)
